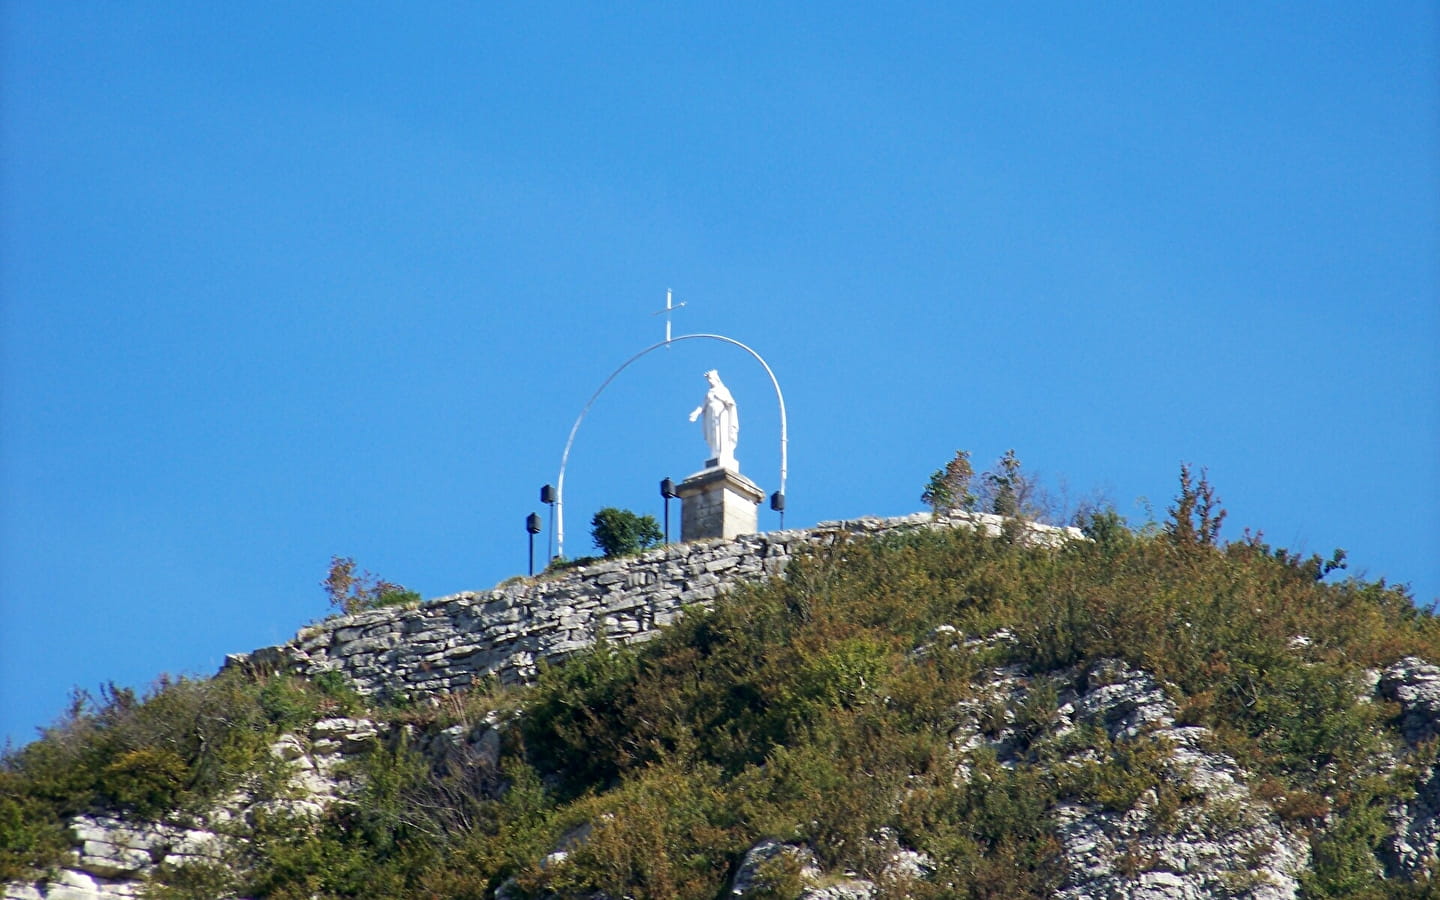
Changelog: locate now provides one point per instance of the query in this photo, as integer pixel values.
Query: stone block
(718, 503)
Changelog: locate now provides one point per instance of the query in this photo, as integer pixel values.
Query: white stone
(72, 885)
(288, 748)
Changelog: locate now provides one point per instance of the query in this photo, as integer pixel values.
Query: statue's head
(712, 376)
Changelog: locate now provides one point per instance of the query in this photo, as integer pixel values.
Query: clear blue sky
(282, 281)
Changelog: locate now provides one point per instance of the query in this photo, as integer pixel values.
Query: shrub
(1106, 528)
(987, 835)
(146, 781)
(949, 488)
(173, 750)
(1196, 516)
(1008, 490)
(620, 532)
(32, 835)
(352, 592)
(668, 834)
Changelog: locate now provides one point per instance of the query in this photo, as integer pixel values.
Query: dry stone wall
(504, 634)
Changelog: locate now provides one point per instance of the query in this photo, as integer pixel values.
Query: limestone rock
(1414, 843)
(1121, 700)
(110, 849)
(1219, 842)
(342, 735)
(115, 856)
(850, 889)
(73, 885)
(749, 878)
(1415, 685)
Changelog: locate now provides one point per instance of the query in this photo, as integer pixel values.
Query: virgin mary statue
(721, 424)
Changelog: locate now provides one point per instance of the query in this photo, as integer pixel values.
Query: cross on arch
(670, 307)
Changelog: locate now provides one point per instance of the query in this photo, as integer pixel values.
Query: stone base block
(718, 503)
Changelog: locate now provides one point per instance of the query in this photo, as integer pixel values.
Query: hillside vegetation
(850, 709)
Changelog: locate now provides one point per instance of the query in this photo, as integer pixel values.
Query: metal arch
(565, 457)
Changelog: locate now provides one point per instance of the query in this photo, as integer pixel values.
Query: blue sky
(278, 283)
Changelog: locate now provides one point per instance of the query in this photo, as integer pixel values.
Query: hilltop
(962, 705)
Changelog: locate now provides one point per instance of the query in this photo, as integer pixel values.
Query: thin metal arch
(565, 457)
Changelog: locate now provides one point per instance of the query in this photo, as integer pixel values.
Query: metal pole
(667, 490)
(547, 496)
(532, 525)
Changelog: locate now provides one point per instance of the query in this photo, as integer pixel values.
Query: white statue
(722, 421)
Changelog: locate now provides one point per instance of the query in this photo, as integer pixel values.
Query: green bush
(620, 532)
(146, 781)
(33, 835)
(667, 833)
(987, 836)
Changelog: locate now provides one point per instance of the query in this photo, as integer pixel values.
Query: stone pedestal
(718, 503)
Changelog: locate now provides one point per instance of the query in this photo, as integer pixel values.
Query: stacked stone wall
(504, 634)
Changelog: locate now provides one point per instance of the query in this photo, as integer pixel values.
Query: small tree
(355, 592)
(949, 488)
(1196, 516)
(1005, 482)
(1008, 491)
(618, 532)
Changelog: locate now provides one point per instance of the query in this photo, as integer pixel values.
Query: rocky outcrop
(504, 634)
(115, 857)
(1415, 685)
(1207, 837)
(766, 867)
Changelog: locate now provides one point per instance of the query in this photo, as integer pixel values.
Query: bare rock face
(751, 877)
(1415, 685)
(1415, 843)
(114, 856)
(1227, 844)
